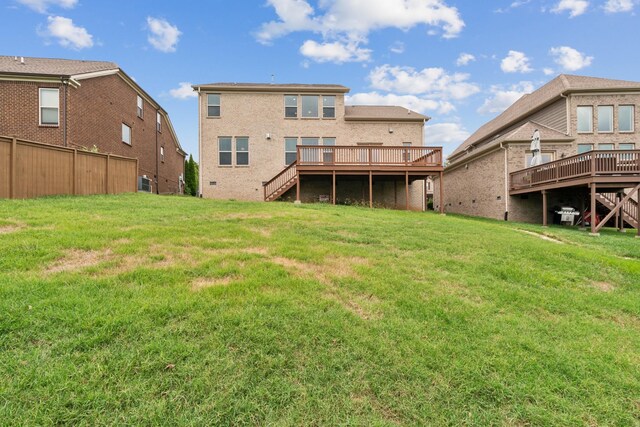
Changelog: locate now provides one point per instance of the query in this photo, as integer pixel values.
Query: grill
(567, 215)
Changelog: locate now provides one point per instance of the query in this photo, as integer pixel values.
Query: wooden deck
(604, 173)
(611, 168)
(406, 163)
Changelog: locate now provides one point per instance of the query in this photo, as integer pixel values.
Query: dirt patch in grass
(335, 268)
(8, 229)
(77, 259)
(603, 286)
(541, 236)
(245, 215)
(209, 282)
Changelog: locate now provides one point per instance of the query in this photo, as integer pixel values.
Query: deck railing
(283, 178)
(591, 163)
(323, 155)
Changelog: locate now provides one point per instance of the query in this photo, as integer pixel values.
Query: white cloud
(412, 102)
(337, 52)
(514, 5)
(501, 98)
(515, 62)
(67, 34)
(397, 47)
(617, 6)
(574, 7)
(548, 71)
(353, 20)
(570, 59)
(183, 91)
(163, 36)
(447, 135)
(429, 81)
(464, 59)
(42, 6)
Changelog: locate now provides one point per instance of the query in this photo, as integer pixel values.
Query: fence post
(106, 188)
(136, 180)
(12, 166)
(74, 173)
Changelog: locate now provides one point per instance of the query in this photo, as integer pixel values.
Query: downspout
(157, 164)
(65, 84)
(506, 184)
(199, 144)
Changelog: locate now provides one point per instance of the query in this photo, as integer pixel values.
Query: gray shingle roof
(272, 86)
(381, 112)
(52, 67)
(551, 91)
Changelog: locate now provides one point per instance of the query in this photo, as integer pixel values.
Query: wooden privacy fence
(32, 169)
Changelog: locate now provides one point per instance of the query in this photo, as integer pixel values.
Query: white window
(627, 146)
(126, 134)
(213, 105)
(329, 107)
(242, 151)
(140, 104)
(309, 105)
(290, 152)
(626, 118)
(583, 148)
(224, 151)
(605, 118)
(158, 122)
(290, 106)
(327, 153)
(49, 106)
(547, 156)
(585, 119)
(605, 147)
(162, 154)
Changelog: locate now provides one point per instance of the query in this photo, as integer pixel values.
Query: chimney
(22, 60)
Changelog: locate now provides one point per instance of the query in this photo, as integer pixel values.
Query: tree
(190, 177)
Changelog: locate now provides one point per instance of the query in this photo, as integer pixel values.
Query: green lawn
(150, 310)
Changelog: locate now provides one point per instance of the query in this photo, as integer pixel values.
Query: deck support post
(581, 207)
(617, 216)
(593, 210)
(333, 188)
(638, 215)
(406, 189)
(370, 189)
(544, 208)
(441, 193)
(298, 187)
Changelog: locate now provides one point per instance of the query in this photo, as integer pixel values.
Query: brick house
(589, 131)
(82, 104)
(300, 142)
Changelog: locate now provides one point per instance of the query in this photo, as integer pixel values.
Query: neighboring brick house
(82, 104)
(489, 175)
(300, 142)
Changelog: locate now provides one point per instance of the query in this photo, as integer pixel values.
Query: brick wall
(96, 111)
(255, 115)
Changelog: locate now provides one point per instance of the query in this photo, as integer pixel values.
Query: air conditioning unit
(144, 184)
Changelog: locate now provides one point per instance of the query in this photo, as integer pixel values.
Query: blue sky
(460, 62)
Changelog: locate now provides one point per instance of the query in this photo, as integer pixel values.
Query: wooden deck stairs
(629, 208)
(281, 183)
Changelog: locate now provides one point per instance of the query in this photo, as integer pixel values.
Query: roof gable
(540, 98)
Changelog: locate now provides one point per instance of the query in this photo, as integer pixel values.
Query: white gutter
(506, 183)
